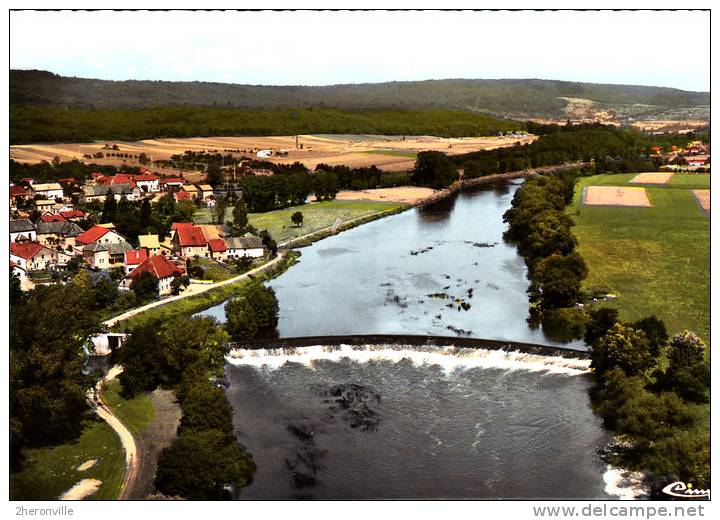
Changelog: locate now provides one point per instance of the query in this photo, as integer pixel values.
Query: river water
(441, 270)
(407, 422)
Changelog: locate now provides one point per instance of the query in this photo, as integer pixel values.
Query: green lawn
(317, 215)
(394, 153)
(49, 472)
(215, 271)
(656, 260)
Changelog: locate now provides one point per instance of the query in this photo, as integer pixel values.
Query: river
(415, 422)
(411, 273)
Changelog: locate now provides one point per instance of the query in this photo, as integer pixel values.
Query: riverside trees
(254, 312)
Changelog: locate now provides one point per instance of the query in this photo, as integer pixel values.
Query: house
(119, 178)
(183, 195)
(18, 193)
(58, 233)
(697, 160)
(106, 255)
(16, 270)
(150, 243)
(239, 247)
(107, 342)
(205, 191)
(162, 269)
(99, 234)
(22, 230)
(218, 249)
(27, 180)
(171, 183)
(32, 256)
(101, 191)
(44, 205)
(70, 181)
(133, 258)
(148, 182)
(189, 240)
(264, 153)
(73, 215)
(50, 191)
(50, 217)
(191, 189)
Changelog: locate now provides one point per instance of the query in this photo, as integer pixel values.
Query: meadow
(654, 260)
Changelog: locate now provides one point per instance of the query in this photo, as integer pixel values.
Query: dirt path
(159, 434)
(195, 290)
(132, 458)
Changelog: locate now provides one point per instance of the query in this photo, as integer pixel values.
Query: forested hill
(510, 98)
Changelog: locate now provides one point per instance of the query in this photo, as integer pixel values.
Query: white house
(32, 256)
(160, 268)
(264, 153)
(239, 247)
(148, 182)
(50, 191)
(22, 230)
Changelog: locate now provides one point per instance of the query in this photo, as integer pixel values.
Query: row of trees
(540, 228)
(653, 392)
(205, 461)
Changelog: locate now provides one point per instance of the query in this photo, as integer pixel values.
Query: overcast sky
(670, 49)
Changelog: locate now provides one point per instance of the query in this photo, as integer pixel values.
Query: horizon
(364, 83)
(275, 48)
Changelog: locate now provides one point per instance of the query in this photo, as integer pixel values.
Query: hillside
(507, 98)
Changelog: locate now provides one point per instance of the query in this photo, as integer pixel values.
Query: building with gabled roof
(218, 249)
(248, 246)
(160, 268)
(51, 190)
(189, 240)
(99, 234)
(22, 230)
(32, 256)
(58, 233)
(133, 258)
(73, 215)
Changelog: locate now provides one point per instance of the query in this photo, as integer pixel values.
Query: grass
(316, 216)
(136, 414)
(656, 260)
(49, 472)
(215, 271)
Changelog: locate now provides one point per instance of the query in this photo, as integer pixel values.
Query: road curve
(132, 456)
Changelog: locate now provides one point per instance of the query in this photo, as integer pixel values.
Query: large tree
(622, 347)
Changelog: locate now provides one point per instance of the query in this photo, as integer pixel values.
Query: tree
(622, 347)
(268, 242)
(109, 211)
(297, 218)
(655, 331)
(687, 373)
(601, 320)
(434, 169)
(215, 175)
(204, 407)
(200, 464)
(145, 286)
(240, 216)
(557, 280)
(143, 158)
(220, 209)
(254, 312)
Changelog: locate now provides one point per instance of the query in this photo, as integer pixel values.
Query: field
(390, 153)
(655, 260)
(615, 196)
(48, 472)
(652, 178)
(401, 194)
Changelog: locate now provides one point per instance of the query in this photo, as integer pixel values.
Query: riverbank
(203, 298)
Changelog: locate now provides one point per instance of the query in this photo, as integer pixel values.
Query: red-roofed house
(19, 192)
(697, 160)
(189, 240)
(162, 269)
(28, 181)
(218, 249)
(134, 258)
(99, 234)
(67, 180)
(183, 195)
(32, 256)
(73, 215)
(119, 178)
(49, 217)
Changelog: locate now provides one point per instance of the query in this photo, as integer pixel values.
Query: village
(50, 235)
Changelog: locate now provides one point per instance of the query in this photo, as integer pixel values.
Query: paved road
(196, 289)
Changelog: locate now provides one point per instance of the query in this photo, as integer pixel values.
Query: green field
(394, 153)
(316, 216)
(49, 472)
(656, 260)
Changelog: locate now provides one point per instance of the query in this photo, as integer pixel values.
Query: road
(192, 291)
(132, 457)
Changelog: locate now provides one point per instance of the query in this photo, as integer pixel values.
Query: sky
(669, 49)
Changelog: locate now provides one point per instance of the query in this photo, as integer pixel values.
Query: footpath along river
(413, 422)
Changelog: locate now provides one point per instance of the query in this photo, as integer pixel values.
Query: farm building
(240, 247)
(22, 230)
(163, 270)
